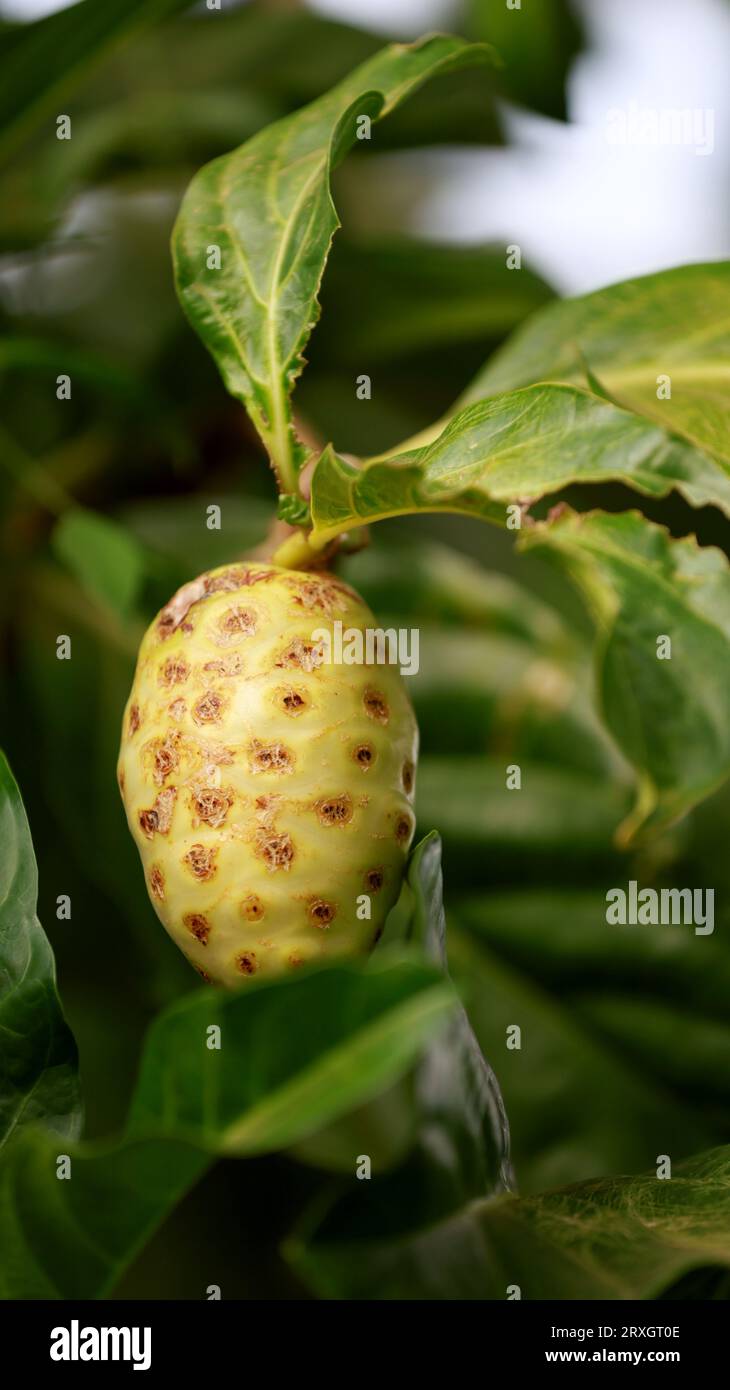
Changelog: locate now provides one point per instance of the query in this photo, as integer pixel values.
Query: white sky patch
(402, 19)
(31, 9)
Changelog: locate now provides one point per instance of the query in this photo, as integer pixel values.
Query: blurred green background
(103, 512)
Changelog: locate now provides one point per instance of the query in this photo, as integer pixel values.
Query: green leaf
(74, 1238)
(451, 1102)
(460, 1152)
(293, 509)
(622, 1028)
(617, 1238)
(293, 1056)
(40, 61)
(461, 1112)
(38, 1063)
(371, 1024)
(268, 207)
(105, 558)
(513, 448)
(673, 323)
(671, 717)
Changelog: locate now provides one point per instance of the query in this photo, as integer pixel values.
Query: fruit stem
(296, 553)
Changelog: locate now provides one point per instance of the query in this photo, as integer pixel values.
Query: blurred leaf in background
(537, 41)
(107, 562)
(39, 61)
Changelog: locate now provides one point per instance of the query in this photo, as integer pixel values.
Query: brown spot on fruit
(175, 612)
(209, 708)
(247, 963)
(322, 912)
(121, 780)
(316, 594)
(199, 925)
(402, 829)
(295, 962)
(176, 709)
(165, 805)
(156, 820)
(307, 656)
(271, 757)
(212, 804)
(134, 719)
(376, 705)
(334, 810)
(292, 701)
(166, 760)
(157, 883)
(261, 577)
(374, 880)
(235, 624)
(201, 861)
(407, 775)
(203, 974)
(226, 582)
(166, 756)
(239, 577)
(173, 671)
(364, 755)
(252, 908)
(230, 665)
(215, 753)
(277, 851)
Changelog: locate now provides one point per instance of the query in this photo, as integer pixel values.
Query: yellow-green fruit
(269, 791)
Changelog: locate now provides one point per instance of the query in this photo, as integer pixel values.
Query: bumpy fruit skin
(267, 790)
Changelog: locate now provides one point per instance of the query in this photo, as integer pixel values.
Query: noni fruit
(269, 792)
